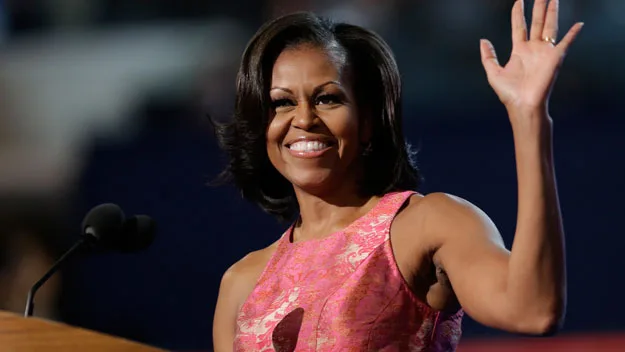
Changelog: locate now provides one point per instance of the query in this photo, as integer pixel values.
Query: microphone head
(139, 232)
(106, 228)
(103, 225)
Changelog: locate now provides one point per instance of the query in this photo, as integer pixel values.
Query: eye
(280, 103)
(328, 99)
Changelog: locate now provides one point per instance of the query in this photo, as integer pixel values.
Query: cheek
(346, 129)
(276, 130)
(274, 137)
(273, 132)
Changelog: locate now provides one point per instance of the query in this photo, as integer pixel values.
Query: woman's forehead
(304, 64)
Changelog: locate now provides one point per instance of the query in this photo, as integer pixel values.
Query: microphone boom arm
(33, 290)
(104, 226)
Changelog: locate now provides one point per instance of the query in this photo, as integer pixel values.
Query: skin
(449, 251)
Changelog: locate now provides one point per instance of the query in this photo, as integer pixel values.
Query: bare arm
(224, 321)
(236, 284)
(523, 290)
(537, 262)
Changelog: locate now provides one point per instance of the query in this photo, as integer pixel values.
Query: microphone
(104, 228)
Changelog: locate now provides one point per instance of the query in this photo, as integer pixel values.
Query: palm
(527, 78)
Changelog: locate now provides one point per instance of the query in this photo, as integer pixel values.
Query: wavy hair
(377, 87)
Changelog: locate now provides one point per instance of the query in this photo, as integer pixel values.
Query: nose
(305, 117)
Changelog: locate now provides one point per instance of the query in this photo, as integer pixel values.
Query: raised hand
(525, 81)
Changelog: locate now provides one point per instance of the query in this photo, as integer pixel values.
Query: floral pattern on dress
(342, 293)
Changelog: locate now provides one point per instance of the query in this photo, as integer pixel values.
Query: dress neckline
(288, 238)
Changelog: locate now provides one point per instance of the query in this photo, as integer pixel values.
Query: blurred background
(105, 101)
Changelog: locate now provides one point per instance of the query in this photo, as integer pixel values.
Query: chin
(313, 181)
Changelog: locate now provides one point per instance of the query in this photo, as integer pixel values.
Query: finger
(569, 38)
(551, 20)
(538, 19)
(489, 57)
(519, 25)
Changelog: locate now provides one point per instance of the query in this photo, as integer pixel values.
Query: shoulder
(236, 284)
(239, 280)
(438, 203)
(440, 215)
(419, 208)
(241, 276)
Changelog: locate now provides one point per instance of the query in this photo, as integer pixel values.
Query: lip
(309, 155)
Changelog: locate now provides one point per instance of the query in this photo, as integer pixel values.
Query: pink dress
(342, 293)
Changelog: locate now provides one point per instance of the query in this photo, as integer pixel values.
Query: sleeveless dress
(342, 293)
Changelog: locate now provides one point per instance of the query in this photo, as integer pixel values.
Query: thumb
(489, 57)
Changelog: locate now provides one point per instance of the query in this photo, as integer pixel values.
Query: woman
(368, 264)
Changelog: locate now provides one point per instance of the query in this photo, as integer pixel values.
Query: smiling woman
(368, 264)
(314, 134)
(304, 66)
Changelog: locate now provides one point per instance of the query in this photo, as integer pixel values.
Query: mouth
(309, 148)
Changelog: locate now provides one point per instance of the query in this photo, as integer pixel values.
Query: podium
(608, 342)
(19, 334)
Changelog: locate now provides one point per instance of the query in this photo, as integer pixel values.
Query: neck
(322, 215)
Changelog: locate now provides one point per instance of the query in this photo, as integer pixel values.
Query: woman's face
(313, 138)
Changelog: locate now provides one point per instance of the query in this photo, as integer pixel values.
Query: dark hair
(377, 88)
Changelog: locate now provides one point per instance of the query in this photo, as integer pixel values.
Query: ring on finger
(550, 40)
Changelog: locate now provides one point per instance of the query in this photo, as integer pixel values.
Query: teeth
(304, 146)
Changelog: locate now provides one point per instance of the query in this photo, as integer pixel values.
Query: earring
(368, 148)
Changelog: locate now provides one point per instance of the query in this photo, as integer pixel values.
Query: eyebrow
(316, 90)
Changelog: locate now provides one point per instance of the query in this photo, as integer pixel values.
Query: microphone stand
(33, 290)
